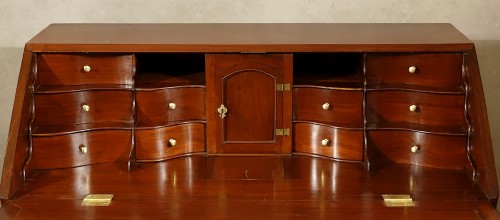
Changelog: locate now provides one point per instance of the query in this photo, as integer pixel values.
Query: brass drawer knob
(412, 69)
(326, 106)
(85, 107)
(413, 108)
(415, 149)
(325, 142)
(86, 68)
(172, 142)
(83, 149)
(172, 105)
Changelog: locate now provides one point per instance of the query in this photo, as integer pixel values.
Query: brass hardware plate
(283, 87)
(222, 111)
(283, 132)
(397, 200)
(97, 200)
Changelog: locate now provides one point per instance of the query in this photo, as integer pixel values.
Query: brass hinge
(282, 87)
(283, 132)
(397, 200)
(97, 200)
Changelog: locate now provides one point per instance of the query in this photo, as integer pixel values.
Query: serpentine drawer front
(389, 98)
(170, 105)
(426, 69)
(81, 148)
(84, 69)
(328, 106)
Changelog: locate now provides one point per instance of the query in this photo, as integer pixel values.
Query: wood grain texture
(342, 144)
(152, 107)
(432, 69)
(437, 151)
(431, 109)
(240, 65)
(153, 144)
(106, 146)
(211, 106)
(18, 140)
(480, 138)
(67, 69)
(67, 108)
(249, 38)
(248, 187)
(246, 85)
(345, 107)
(287, 101)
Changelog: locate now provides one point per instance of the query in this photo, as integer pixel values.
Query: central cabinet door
(246, 103)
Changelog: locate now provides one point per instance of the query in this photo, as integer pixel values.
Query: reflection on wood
(247, 187)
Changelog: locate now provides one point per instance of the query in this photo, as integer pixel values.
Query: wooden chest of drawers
(381, 100)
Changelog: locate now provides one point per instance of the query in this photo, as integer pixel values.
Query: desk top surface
(246, 37)
(281, 187)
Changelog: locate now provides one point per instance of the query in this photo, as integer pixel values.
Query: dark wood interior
(249, 121)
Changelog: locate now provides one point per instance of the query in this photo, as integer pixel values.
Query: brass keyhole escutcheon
(222, 111)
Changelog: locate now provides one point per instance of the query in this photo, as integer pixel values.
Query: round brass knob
(172, 105)
(412, 69)
(325, 142)
(85, 107)
(83, 149)
(413, 108)
(326, 106)
(172, 142)
(86, 68)
(415, 149)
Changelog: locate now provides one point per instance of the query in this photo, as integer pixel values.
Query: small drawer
(83, 107)
(165, 142)
(84, 69)
(328, 106)
(415, 107)
(439, 69)
(160, 107)
(417, 148)
(71, 150)
(328, 141)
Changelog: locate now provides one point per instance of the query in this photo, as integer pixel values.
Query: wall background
(479, 20)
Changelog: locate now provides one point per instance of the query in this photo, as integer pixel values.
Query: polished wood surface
(68, 69)
(343, 107)
(436, 69)
(249, 38)
(101, 147)
(152, 107)
(341, 144)
(155, 144)
(246, 85)
(430, 109)
(15, 157)
(247, 188)
(481, 149)
(437, 151)
(379, 144)
(67, 108)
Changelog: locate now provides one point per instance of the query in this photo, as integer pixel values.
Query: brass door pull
(222, 111)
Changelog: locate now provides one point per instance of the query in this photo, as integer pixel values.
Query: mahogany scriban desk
(249, 120)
